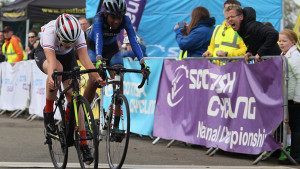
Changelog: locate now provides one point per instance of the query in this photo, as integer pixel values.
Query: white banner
(15, 86)
(38, 91)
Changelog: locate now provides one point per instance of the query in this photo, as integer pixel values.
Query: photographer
(198, 32)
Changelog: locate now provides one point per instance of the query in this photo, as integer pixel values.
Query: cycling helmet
(67, 28)
(115, 7)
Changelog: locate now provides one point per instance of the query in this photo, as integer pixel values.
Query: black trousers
(294, 116)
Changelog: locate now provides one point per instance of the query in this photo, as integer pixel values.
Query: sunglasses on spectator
(31, 37)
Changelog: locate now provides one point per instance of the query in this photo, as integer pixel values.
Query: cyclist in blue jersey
(102, 42)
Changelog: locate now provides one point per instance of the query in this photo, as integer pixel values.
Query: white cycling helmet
(115, 7)
(67, 28)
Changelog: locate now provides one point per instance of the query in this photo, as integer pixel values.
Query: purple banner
(233, 107)
(135, 9)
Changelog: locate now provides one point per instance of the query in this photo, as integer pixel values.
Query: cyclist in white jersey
(58, 40)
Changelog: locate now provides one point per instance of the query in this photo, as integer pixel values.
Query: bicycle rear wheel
(57, 144)
(118, 139)
(91, 134)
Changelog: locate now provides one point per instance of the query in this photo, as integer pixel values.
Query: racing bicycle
(116, 134)
(68, 132)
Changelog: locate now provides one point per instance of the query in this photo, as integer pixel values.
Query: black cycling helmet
(115, 7)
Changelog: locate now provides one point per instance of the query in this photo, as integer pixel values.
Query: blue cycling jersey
(102, 34)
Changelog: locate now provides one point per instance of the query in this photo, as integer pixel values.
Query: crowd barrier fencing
(24, 80)
(279, 132)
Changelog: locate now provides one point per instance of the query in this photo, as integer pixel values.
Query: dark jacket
(197, 41)
(259, 38)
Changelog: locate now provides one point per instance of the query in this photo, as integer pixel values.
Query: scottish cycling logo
(174, 98)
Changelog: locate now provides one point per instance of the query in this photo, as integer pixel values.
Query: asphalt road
(21, 145)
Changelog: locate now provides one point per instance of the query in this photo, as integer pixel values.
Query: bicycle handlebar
(121, 69)
(102, 72)
(147, 72)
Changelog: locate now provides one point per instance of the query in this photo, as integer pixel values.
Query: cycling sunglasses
(67, 42)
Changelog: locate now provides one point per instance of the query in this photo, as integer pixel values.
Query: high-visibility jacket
(224, 38)
(14, 51)
(183, 54)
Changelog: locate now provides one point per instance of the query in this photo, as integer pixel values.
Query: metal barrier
(280, 133)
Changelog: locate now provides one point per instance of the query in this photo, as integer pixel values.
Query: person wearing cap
(129, 53)
(12, 47)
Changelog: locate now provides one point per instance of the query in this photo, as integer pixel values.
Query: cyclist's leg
(117, 61)
(42, 63)
(89, 92)
(69, 62)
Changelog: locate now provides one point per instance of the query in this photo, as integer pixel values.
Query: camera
(181, 24)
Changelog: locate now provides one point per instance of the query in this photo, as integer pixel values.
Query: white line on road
(127, 166)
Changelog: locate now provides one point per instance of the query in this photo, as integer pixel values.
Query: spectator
(287, 43)
(198, 31)
(122, 47)
(2, 57)
(260, 39)
(12, 47)
(85, 24)
(33, 43)
(1, 39)
(224, 41)
(129, 53)
(268, 24)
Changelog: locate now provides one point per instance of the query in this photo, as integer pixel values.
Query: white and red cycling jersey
(50, 40)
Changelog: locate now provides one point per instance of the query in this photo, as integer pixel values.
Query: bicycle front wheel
(118, 135)
(91, 138)
(57, 144)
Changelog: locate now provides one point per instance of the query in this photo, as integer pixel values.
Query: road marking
(129, 166)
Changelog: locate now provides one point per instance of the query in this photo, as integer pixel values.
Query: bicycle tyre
(117, 143)
(91, 134)
(95, 106)
(96, 110)
(57, 144)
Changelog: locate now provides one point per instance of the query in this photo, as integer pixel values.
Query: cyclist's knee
(92, 83)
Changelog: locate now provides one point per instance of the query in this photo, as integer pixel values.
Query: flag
(297, 29)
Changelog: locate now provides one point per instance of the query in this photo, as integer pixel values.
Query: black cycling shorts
(68, 60)
(108, 51)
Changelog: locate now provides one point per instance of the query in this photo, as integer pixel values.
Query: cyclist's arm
(84, 58)
(51, 60)
(97, 35)
(132, 39)
(87, 63)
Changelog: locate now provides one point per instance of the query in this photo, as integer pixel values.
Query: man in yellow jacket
(12, 47)
(224, 41)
